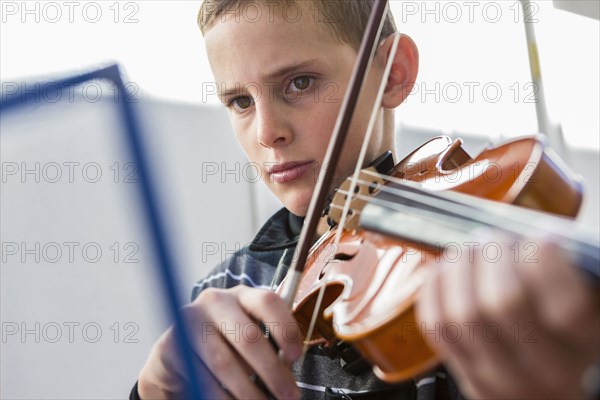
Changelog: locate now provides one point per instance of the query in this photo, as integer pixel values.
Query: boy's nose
(272, 130)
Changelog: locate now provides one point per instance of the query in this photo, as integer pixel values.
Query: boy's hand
(230, 348)
(528, 329)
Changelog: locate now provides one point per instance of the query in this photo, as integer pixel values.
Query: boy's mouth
(289, 172)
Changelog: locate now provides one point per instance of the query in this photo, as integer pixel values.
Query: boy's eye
(300, 84)
(242, 102)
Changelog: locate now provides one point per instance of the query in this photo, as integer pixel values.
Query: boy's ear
(404, 69)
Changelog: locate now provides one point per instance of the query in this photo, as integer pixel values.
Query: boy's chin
(296, 203)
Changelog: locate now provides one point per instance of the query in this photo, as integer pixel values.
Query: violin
(371, 276)
(390, 224)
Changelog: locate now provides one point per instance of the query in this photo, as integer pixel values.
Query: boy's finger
(238, 334)
(561, 298)
(226, 368)
(271, 310)
(172, 374)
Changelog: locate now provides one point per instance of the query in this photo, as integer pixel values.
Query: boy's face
(283, 84)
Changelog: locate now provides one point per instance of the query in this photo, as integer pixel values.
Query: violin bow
(148, 192)
(334, 149)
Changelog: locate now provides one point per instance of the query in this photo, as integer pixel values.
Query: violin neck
(440, 220)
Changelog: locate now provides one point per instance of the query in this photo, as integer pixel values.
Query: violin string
(357, 212)
(579, 242)
(358, 167)
(447, 220)
(487, 212)
(444, 207)
(483, 210)
(456, 199)
(441, 206)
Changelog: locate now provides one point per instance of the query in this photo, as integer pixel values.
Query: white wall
(48, 294)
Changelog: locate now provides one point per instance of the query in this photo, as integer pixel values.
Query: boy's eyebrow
(285, 70)
(290, 68)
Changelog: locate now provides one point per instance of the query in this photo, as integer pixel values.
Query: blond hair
(345, 19)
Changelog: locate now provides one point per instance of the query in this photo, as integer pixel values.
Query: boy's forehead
(263, 45)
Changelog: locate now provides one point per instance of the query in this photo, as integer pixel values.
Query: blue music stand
(148, 199)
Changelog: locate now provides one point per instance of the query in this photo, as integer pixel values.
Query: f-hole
(339, 257)
(343, 257)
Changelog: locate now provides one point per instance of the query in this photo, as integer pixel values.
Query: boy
(282, 69)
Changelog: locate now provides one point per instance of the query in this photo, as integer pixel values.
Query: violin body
(372, 279)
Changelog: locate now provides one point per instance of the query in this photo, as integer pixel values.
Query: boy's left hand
(514, 328)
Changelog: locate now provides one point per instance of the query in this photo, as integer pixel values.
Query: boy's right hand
(230, 348)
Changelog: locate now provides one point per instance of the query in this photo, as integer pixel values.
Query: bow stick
(340, 132)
